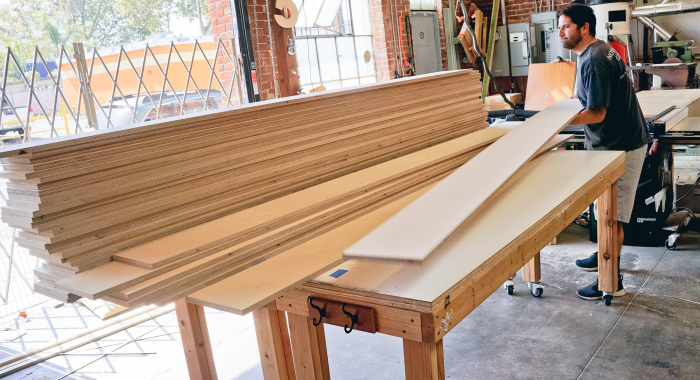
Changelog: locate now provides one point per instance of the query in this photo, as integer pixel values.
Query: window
(334, 44)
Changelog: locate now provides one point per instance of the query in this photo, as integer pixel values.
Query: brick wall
(518, 11)
(273, 66)
(222, 26)
(442, 7)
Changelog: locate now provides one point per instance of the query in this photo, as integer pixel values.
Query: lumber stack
(179, 264)
(80, 200)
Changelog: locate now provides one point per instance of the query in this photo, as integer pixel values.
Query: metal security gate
(98, 90)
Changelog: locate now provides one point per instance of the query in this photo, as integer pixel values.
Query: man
(612, 117)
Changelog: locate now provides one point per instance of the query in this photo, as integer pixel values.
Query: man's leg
(626, 191)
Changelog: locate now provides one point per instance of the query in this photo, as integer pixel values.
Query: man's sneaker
(590, 264)
(591, 292)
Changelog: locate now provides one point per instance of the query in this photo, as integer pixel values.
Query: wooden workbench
(421, 304)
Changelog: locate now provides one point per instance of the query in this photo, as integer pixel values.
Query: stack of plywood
(80, 200)
(179, 264)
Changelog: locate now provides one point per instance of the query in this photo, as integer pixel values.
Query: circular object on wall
(286, 13)
(368, 56)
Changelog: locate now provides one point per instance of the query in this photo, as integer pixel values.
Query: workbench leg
(308, 348)
(531, 270)
(273, 343)
(608, 240)
(195, 340)
(423, 361)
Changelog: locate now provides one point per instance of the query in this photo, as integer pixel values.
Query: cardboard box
(496, 103)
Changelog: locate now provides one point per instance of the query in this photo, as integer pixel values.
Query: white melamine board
(654, 102)
(256, 286)
(689, 124)
(546, 183)
(416, 231)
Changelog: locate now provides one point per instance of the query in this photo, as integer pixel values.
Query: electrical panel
(520, 48)
(426, 42)
(534, 42)
(548, 46)
(541, 24)
(500, 66)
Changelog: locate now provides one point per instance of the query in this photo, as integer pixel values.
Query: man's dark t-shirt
(603, 82)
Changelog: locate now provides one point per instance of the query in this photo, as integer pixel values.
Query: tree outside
(96, 23)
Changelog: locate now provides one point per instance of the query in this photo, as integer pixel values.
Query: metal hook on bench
(321, 311)
(353, 319)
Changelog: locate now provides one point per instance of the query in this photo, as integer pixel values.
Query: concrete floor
(651, 333)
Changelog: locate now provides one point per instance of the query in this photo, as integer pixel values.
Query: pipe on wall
(666, 9)
(654, 27)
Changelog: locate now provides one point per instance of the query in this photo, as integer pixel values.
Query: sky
(183, 25)
(177, 24)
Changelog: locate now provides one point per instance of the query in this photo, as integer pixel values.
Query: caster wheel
(537, 292)
(509, 288)
(607, 299)
(671, 246)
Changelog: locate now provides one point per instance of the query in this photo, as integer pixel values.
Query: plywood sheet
(549, 83)
(248, 290)
(655, 102)
(256, 286)
(416, 231)
(526, 202)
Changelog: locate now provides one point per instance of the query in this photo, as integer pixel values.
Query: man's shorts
(627, 183)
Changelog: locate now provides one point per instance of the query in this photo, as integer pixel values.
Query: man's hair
(579, 15)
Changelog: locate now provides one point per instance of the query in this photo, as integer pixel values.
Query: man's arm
(590, 116)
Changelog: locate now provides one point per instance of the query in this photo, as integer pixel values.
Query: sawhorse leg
(195, 340)
(609, 243)
(308, 348)
(273, 343)
(531, 274)
(423, 361)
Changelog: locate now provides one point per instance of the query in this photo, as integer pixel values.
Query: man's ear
(585, 29)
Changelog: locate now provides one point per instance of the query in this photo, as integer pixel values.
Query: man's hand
(590, 116)
(654, 147)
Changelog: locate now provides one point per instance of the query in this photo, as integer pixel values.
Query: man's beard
(573, 41)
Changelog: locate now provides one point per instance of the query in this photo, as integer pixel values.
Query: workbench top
(542, 189)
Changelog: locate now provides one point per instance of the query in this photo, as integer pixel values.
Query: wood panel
(549, 83)
(253, 287)
(185, 260)
(654, 102)
(80, 200)
(419, 229)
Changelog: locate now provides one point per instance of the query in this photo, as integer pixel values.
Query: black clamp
(321, 312)
(353, 319)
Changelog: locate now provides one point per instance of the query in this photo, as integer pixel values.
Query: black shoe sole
(590, 269)
(590, 298)
(618, 293)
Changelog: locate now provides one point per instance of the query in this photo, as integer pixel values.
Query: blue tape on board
(338, 273)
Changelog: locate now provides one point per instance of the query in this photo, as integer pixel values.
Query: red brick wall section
(519, 10)
(443, 5)
(271, 84)
(383, 36)
(222, 26)
(262, 49)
